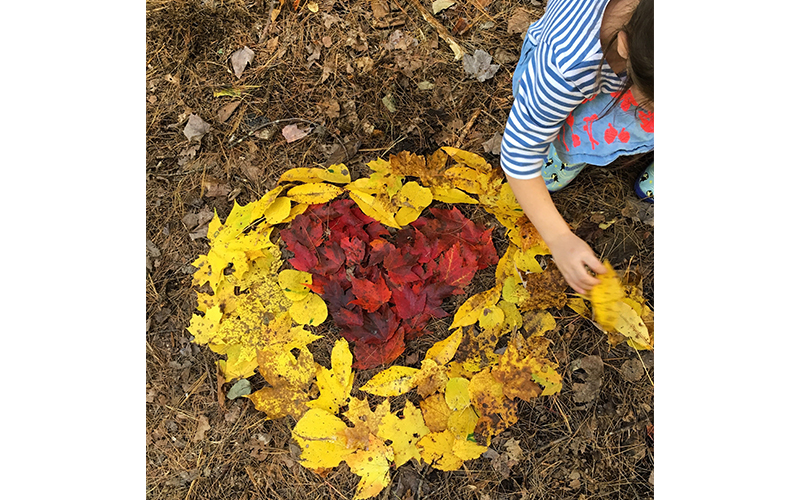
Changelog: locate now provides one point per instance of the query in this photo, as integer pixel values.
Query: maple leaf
(456, 270)
(404, 433)
(498, 412)
(372, 354)
(354, 250)
(336, 383)
(436, 449)
(372, 465)
(371, 295)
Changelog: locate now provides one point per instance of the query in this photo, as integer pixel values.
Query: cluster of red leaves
(382, 289)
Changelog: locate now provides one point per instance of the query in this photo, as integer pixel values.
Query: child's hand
(571, 254)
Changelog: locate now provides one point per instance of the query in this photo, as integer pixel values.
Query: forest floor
(371, 79)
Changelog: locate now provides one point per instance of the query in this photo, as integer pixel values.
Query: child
(583, 92)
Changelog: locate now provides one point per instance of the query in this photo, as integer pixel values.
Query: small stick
(441, 30)
(467, 128)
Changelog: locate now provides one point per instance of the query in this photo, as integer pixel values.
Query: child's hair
(639, 32)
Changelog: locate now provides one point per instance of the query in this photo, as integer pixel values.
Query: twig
(441, 30)
(467, 128)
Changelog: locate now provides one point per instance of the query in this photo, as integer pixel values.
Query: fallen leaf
(586, 385)
(632, 370)
(440, 5)
(202, 427)
(519, 22)
(240, 59)
(239, 389)
(606, 298)
(225, 112)
(479, 66)
(214, 187)
(294, 133)
(196, 128)
(493, 144)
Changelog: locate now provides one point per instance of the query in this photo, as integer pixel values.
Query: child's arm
(569, 251)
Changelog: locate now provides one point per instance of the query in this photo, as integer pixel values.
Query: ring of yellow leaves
(467, 390)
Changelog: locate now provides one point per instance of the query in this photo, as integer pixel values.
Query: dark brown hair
(640, 72)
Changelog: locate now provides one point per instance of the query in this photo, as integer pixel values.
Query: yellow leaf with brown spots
(311, 194)
(295, 284)
(473, 308)
(372, 465)
(547, 289)
(320, 436)
(524, 374)
(365, 421)
(303, 175)
(404, 433)
(512, 317)
(435, 412)
(436, 449)
(469, 159)
(497, 412)
(477, 350)
(393, 381)
(632, 327)
(539, 322)
(204, 327)
(462, 422)
(335, 384)
(338, 174)
(468, 450)
(430, 378)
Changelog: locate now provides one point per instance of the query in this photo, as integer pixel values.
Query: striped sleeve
(538, 113)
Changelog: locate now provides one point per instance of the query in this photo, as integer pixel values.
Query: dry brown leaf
(493, 144)
(214, 187)
(196, 128)
(586, 386)
(240, 59)
(380, 8)
(294, 133)
(202, 427)
(225, 112)
(519, 22)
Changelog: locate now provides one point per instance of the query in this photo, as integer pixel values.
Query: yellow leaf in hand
(606, 298)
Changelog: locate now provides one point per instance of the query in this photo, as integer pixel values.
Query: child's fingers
(595, 265)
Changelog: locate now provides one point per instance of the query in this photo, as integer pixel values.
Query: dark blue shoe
(644, 185)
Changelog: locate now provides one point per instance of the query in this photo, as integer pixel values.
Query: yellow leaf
(462, 422)
(364, 419)
(310, 194)
(278, 211)
(443, 351)
(295, 284)
(203, 327)
(435, 412)
(278, 401)
(472, 309)
(404, 433)
(436, 449)
(451, 195)
(430, 378)
(411, 200)
(303, 175)
(379, 165)
(393, 381)
(537, 323)
(372, 465)
(335, 384)
(514, 290)
(320, 437)
(456, 393)
(525, 260)
(468, 450)
(338, 174)
(468, 159)
(578, 305)
(486, 395)
(296, 210)
(491, 317)
(311, 310)
(467, 179)
(631, 326)
(513, 318)
(515, 370)
(606, 298)
(374, 207)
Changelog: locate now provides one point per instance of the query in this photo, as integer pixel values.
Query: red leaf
(354, 250)
(454, 269)
(370, 295)
(399, 264)
(410, 301)
(372, 355)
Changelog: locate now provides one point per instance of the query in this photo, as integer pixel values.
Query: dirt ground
(370, 79)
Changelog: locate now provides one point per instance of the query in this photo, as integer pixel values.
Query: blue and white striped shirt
(561, 73)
